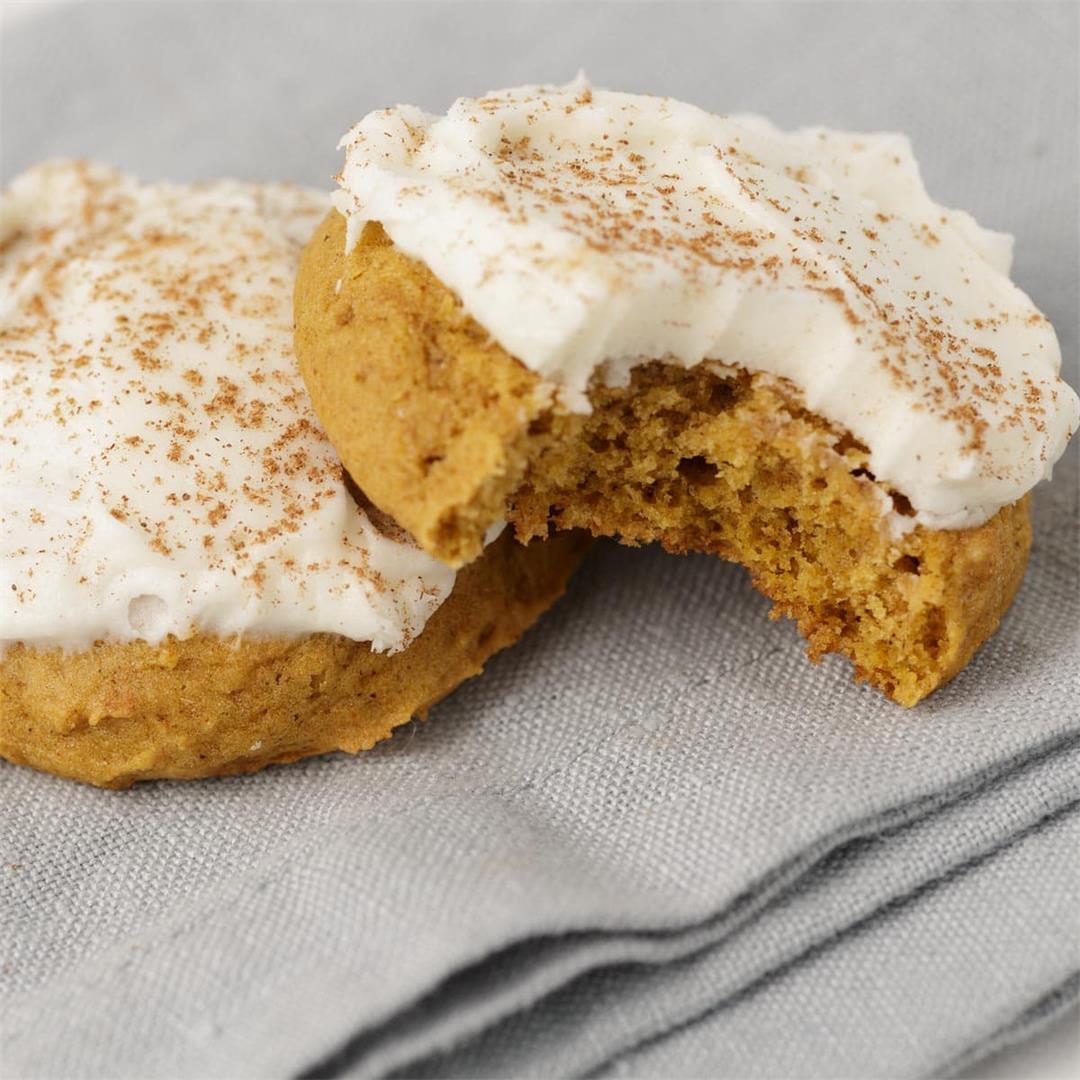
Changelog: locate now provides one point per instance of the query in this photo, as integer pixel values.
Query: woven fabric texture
(652, 839)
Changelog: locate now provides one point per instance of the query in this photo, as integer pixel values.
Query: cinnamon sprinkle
(154, 405)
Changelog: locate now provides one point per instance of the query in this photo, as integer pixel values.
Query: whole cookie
(193, 585)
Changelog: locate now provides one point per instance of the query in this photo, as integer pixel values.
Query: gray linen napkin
(696, 995)
(652, 839)
(634, 783)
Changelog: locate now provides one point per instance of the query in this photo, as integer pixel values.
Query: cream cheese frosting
(588, 231)
(162, 471)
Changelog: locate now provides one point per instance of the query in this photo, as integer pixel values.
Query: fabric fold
(862, 1009)
(614, 1012)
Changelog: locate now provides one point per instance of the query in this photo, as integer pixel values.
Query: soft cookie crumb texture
(447, 432)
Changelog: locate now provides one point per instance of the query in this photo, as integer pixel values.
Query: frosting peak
(589, 231)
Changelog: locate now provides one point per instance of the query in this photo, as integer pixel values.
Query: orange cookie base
(118, 713)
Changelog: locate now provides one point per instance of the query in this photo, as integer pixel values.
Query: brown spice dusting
(600, 188)
(180, 407)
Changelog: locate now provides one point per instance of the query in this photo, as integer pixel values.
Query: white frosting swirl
(590, 230)
(161, 470)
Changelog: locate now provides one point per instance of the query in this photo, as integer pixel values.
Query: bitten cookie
(578, 309)
(191, 587)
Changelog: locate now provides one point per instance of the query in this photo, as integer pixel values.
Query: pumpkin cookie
(192, 585)
(578, 309)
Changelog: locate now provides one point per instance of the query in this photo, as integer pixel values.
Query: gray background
(656, 757)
